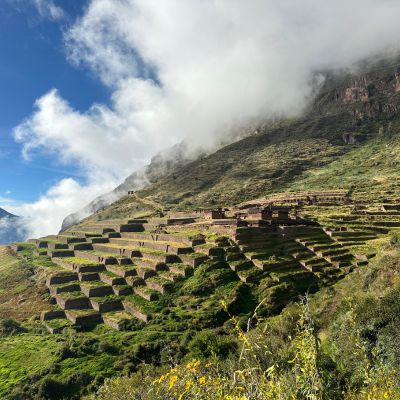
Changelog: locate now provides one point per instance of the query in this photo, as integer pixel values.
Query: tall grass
(250, 376)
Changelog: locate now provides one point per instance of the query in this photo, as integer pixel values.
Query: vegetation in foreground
(341, 343)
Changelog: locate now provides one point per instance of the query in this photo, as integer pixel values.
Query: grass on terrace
(21, 296)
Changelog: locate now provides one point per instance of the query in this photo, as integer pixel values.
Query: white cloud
(8, 202)
(44, 216)
(189, 69)
(48, 9)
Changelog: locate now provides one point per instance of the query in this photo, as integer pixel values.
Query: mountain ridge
(4, 213)
(350, 109)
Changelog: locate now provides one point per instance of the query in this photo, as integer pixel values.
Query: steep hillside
(352, 113)
(177, 155)
(138, 287)
(350, 108)
(22, 291)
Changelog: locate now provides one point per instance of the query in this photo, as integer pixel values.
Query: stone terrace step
(51, 314)
(122, 290)
(96, 289)
(57, 246)
(99, 240)
(72, 300)
(180, 269)
(103, 257)
(274, 266)
(111, 278)
(340, 257)
(64, 287)
(101, 230)
(116, 319)
(341, 234)
(88, 235)
(334, 252)
(38, 252)
(80, 246)
(354, 238)
(130, 252)
(105, 228)
(164, 237)
(322, 247)
(133, 309)
(61, 277)
(193, 259)
(41, 243)
(70, 239)
(390, 207)
(76, 265)
(149, 263)
(250, 275)
(146, 293)
(60, 253)
(145, 272)
(134, 281)
(88, 276)
(159, 284)
(83, 317)
(170, 276)
(57, 325)
(210, 250)
(166, 247)
(122, 270)
(103, 305)
(240, 265)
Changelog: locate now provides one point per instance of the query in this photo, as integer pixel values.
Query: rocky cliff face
(397, 83)
(371, 93)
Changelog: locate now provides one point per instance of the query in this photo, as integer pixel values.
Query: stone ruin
(272, 214)
(211, 213)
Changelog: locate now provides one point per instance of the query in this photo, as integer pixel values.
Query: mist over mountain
(11, 227)
(345, 105)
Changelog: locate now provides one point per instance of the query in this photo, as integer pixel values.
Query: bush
(208, 343)
(10, 327)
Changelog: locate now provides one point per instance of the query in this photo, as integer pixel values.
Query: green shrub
(10, 327)
(208, 343)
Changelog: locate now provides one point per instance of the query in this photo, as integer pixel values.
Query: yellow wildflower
(172, 381)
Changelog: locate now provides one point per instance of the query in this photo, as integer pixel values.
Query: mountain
(353, 119)
(6, 214)
(133, 297)
(11, 229)
(176, 155)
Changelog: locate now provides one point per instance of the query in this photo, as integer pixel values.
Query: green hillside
(149, 299)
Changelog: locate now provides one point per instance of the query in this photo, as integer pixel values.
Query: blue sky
(32, 62)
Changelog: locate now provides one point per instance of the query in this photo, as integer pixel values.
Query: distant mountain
(4, 213)
(160, 163)
(11, 228)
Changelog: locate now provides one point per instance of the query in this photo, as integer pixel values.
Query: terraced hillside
(162, 269)
(148, 280)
